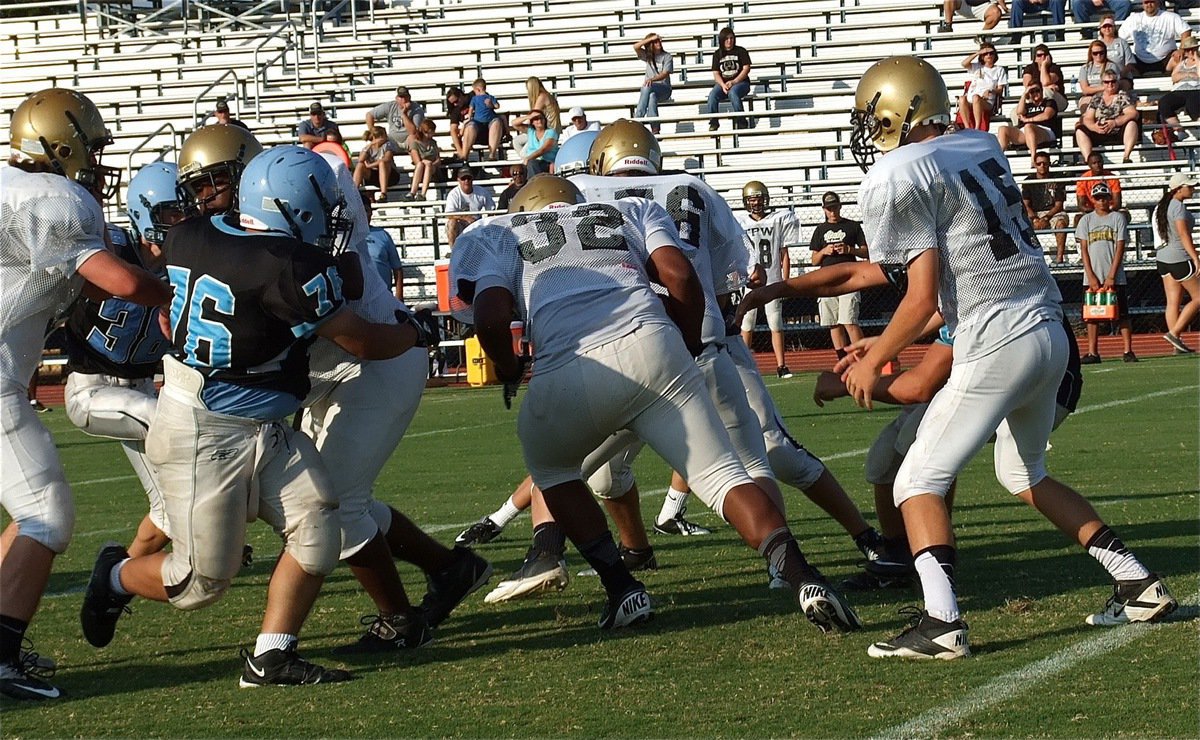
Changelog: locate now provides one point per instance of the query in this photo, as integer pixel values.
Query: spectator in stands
(542, 99)
(1083, 188)
(1043, 71)
(988, 11)
(1152, 34)
(1045, 202)
(517, 181)
(464, 202)
(458, 110)
(656, 86)
(731, 73)
(384, 255)
(1111, 118)
(1056, 8)
(541, 143)
(985, 88)
(1088, 11)
(1102, 236)
(1119, 52)
(428, 160)
(1178, 264)
(376, 162)
(1185, 88)
(403, 116)
(1093, 68)
(578, 122)
(485, 123)
(1038, 123)
(317, 128)
(838, 240)
(221, 114)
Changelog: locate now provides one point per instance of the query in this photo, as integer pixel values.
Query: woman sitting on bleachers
(1096, 64)
(1185, 88)
(985, 89)
(1111, 118)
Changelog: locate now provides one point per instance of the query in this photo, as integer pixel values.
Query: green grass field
(724, 656)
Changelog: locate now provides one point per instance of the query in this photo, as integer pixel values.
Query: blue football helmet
(152, 201)
(572, 157)
(290, 190)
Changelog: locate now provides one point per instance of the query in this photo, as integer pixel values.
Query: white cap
(1179, 179)
(576, 112)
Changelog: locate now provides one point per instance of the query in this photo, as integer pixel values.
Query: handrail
(197, 120)
(138, 147)
(318, 25)
(260, 74)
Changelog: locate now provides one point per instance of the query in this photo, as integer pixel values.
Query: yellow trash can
(480, 370)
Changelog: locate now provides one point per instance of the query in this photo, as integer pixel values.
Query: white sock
(673, 505)
(940, 601)
(114, 578)
(273, 641)
(505, 514)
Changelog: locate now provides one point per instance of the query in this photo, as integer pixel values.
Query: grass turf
(724, 657)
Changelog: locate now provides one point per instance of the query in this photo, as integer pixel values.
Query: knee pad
(1012, 472)
(360, 525)
(790, 462)
(54, 521)
(613, 480)
(197, 592)
(316, 541)
(382, 514)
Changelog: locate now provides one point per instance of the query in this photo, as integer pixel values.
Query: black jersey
(113, 336)
(846, 232)
(245, 304)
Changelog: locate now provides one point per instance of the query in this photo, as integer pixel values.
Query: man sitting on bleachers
(317, 128)
(1152, 34)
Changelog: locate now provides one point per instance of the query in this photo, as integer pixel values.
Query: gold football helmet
(543, 191)
(62, 130)
(624, 146)
(211, 163)
(895, 95)
(755, 197)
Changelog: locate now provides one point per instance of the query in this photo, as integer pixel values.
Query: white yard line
(1024, 680)
(1135, 399)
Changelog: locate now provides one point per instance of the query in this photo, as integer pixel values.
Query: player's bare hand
(758, 277)
(854, 353)
(860, 383)
(752, 301)
(829, 386)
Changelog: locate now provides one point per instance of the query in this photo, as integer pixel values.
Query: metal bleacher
(155, 67)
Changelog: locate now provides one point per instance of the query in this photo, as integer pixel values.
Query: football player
(636, 372)
(356, 414)
(249, 294)
(114, 346)
(768, 234)
(211, 162)
(51, 229)
(946, 208)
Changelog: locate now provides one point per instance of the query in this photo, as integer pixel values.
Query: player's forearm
(494, 310)
(907, 324)
(834, 280)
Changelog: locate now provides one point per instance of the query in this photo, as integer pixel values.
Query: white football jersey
(704, 221)
(956, 194)
(768, 237)
(578, 272)
(49, 226)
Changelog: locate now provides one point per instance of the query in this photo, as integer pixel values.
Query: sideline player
(947, 209)
(51, 229)
(768, 234)
(634, 372)
(114, 346)
(356, 414)
(247, 297)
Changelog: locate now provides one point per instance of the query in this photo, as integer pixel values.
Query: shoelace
(914, 618)
(29, 661)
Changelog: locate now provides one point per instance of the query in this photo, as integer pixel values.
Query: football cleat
(17, 681)
(632, 608)
(390, 633)
(634, 560)
(1144, 600)
(448, 588)
(541, 571)
(681, 526)
(285, 668)
(479, 533)
(872, 582)
(826, 608)
(926, 638)
(102, 607)
(871, 544)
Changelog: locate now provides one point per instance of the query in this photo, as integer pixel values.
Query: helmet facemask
(338, 225)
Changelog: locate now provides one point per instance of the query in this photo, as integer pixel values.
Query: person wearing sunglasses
(541, 143)
(985, 89)
(1043, 71)
(1092, 69)
(1185, 89)
(1111, 118)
